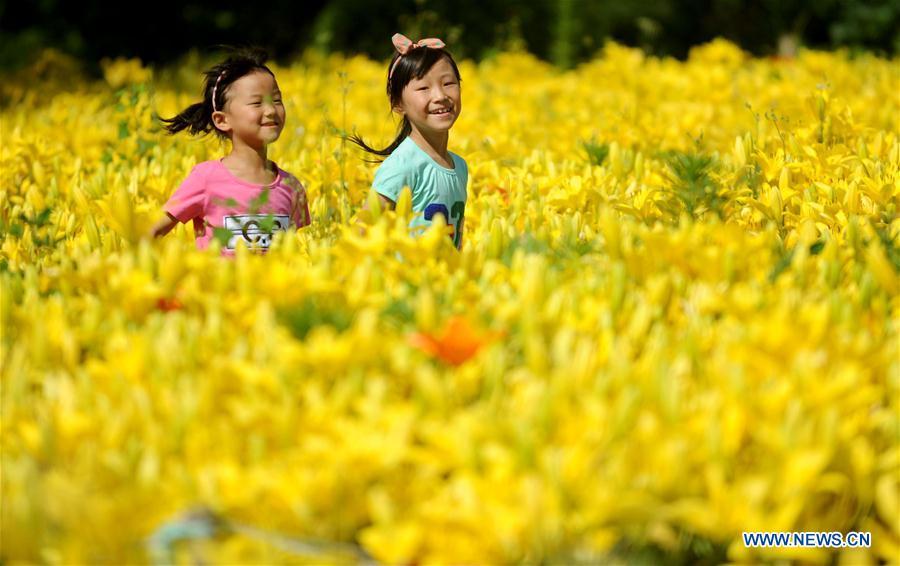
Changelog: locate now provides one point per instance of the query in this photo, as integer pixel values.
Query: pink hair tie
(403, 45)
(215, 87)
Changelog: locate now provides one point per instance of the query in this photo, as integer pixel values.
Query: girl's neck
(250, 165)
(434, 144)
(248, 158)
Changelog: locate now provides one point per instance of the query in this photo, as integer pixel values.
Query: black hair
(414, 65)
(197, 118)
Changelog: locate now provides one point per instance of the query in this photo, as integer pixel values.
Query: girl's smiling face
(254, 111)
(434, 102)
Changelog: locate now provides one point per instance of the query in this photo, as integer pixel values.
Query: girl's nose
(440, 95)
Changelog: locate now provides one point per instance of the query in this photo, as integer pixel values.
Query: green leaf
(43, 217)
(597, 152)
(267, 223)
(783, 263)
(301, 318)
(145, 145)
(222, 235)
(255, 204)
(691, 182)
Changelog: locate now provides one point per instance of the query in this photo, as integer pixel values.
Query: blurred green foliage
(565, 32)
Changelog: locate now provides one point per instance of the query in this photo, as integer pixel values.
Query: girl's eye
(422, 88)
(255, 103)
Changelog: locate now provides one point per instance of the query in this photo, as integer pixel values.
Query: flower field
(674, 318)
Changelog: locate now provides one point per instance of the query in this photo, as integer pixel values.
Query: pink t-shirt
(214, 198)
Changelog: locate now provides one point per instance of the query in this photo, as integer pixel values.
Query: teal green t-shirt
(435, 189)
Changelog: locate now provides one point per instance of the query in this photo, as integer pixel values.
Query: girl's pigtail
(402, 134)
(195, 118)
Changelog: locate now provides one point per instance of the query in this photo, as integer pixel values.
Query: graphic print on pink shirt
(212, 197)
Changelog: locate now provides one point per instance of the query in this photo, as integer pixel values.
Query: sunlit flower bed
(674, 319)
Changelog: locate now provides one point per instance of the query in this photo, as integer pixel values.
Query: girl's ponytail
(402, 134)
(196, 119)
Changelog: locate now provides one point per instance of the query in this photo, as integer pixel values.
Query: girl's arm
(385, 202)
(163, 226)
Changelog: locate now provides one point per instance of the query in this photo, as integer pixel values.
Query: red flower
(167, 304)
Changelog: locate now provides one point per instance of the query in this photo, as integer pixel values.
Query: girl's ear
(220, 121)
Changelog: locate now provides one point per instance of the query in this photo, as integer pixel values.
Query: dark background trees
(562, 31)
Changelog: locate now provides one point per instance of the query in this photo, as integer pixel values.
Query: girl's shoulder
(205, 169)
(411, 157)
(405, 153)
(200, 172)
(403, 160)
(459, 161)
(208, 165)
(288, 179)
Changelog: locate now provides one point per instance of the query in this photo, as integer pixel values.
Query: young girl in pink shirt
(243, 197)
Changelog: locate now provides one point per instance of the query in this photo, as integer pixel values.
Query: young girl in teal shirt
(423, 86)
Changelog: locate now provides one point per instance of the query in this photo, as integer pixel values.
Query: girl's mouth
(441, 111)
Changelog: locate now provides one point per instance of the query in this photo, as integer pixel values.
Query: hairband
(403, 45)
(216, 86)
